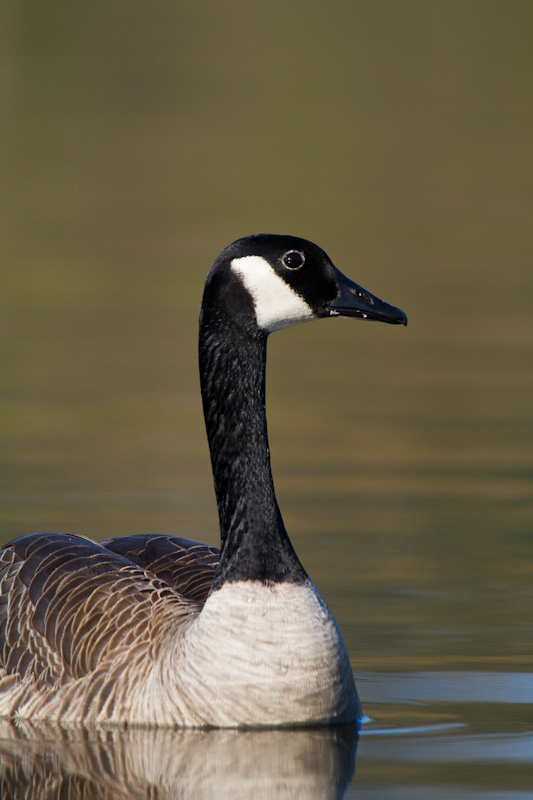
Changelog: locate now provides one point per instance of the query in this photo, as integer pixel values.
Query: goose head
(266, 282)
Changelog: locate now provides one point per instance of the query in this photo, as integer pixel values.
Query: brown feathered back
(69, 605)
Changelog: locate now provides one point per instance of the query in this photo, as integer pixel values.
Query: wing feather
(188, 566)
(69, 606)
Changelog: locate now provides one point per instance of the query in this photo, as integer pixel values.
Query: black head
(287, 280)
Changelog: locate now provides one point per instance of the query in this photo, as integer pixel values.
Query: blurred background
(138, 140)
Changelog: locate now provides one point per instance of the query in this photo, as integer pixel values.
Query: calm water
(137, 141)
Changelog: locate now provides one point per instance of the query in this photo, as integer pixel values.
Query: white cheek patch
(276, 304)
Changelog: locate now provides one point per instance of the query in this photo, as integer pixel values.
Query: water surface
(137, 141)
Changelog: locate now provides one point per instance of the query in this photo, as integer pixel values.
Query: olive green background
(138, 140)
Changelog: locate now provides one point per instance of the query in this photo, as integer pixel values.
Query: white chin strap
(276, 304)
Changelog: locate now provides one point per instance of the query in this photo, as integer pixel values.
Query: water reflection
(453, 686)
(444, 735)
(45, 760)
(504, 748)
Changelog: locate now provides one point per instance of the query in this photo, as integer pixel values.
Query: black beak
(354, 301)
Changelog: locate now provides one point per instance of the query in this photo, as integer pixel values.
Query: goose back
(72, 609)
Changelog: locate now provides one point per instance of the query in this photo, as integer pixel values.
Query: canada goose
(167, 631)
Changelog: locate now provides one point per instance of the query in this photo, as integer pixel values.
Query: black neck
(254, 542)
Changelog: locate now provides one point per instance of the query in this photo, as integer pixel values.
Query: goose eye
(293, 259)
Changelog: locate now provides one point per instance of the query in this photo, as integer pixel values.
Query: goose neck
(254, 543)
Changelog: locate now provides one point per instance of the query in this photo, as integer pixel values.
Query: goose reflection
(43, 760)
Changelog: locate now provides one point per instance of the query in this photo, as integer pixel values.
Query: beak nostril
(365, 297)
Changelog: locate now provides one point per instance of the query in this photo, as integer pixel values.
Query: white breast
(262, 655)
